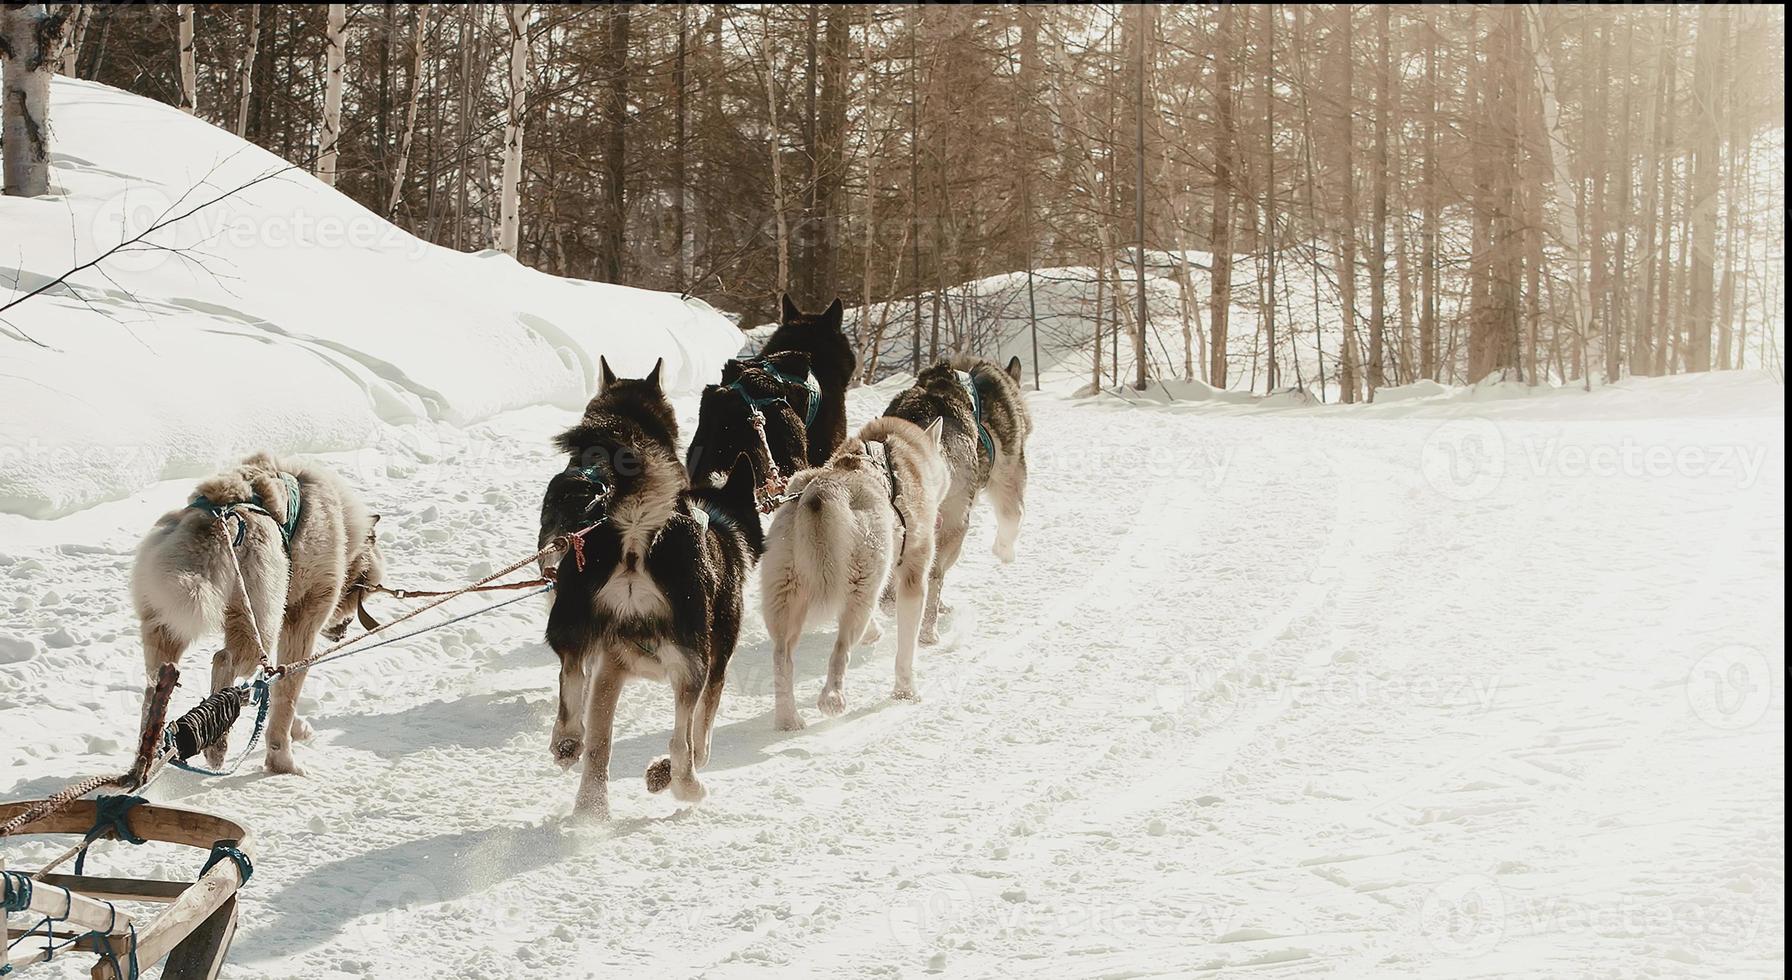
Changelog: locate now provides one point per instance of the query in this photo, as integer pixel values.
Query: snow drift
(266, 310)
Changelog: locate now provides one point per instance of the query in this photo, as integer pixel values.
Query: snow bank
(285, 316)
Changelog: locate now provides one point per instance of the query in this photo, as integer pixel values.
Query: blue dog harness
(970, 388)
(809, 385)
(287, 526)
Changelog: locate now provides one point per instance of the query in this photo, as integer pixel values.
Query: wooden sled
(193, 929)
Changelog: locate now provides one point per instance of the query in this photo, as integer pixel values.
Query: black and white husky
(653, 591)
(985, 443)
(864, 518)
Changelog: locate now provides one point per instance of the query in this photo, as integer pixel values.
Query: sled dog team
(655, 585)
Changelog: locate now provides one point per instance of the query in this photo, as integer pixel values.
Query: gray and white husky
(985, 442)
(305, 546)
(863, 519)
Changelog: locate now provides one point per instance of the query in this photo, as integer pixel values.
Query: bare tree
(30, 48)
(516, 19)
(337, 22)
(419, 42)
(189, 69)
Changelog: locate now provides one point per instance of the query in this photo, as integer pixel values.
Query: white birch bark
(419, 34)
(30, 50)
(245, 69)
(332, 128)
(516, 17)
(189, 68)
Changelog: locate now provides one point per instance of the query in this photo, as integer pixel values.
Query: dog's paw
(688, 790)
(301, 729)
(281, 762)
(215, 752)
(788, 722)
(831, 703)
(904, 692)
(590, 809)
(930, 636)
(1004, 552)
(566, 751)
(659, 774)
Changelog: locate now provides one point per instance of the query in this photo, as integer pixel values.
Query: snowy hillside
(282, 316)
(1472, 682)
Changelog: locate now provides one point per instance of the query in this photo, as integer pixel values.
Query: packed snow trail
(1455, 685)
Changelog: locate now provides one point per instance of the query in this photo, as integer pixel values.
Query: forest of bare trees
(1545, 193)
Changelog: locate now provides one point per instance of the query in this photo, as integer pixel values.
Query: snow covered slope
(1462, 684)
(283, 316)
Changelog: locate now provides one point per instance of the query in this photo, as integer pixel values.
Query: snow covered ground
(1464, 683)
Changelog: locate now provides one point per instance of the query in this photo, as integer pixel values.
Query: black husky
(769, 388)
(831, 362)
(985, 444)
(665, 608)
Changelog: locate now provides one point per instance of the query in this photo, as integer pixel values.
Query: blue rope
(258, 693)
(228, 849)
(15, 887)
(102, 945)
(112, 815)
(970, 388)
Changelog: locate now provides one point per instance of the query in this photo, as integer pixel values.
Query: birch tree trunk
(1219, 305)
(332, 129)
(516, 18)
(1712, 27)
(30, 48)
(80, 15)
(419, 37)
(245, 69)
(1566, 233)
(777, 152)
(189, 69)
(1378, 218)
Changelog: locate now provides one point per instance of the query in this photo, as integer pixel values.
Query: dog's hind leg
(599, 718)
(955, 514)
(723, 638)
(911, 596)
(685, 785)
(786, 630)
(1008, 492)
(832, 701)
(298, 634)
(568, 738)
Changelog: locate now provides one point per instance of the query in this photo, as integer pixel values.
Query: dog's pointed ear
(605, 376)
(1014, 369)
(936, 431)
(653, 376)
(790, 312)
(834, 314)
(731, 369)
(741, 479)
